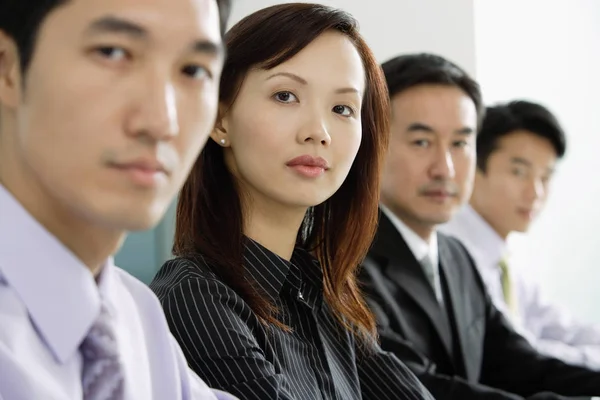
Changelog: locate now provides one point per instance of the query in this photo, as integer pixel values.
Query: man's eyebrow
(112, 24)
(520, 161)
(419, 127)
(119, 25)
(465, 131)
(209, 47)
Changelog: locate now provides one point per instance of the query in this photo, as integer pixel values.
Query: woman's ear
(219, 133)
(10, 73)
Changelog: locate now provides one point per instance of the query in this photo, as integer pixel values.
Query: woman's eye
(285, 97)
(344, 111)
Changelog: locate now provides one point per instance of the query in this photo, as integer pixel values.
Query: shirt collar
(57, 289)
(417, 245)
(271, 272)
(481, 240)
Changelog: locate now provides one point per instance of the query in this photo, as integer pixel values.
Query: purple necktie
(102, 374)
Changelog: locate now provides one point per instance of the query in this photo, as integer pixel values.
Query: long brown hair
(340, 230)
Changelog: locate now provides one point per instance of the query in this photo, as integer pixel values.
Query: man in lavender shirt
(104, 107)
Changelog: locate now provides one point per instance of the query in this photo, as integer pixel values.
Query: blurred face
(119, 98)
(293, 132)
(431, 161)
(513, 190)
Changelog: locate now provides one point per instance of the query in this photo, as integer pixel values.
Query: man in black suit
(431, 305)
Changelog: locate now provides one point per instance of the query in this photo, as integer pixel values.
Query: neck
(92, 244)
(274, 226)
(422, 229)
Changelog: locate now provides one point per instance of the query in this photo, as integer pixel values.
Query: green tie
(508, 289)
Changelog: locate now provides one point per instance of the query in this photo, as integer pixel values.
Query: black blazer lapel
(457, 294)
(406, 272)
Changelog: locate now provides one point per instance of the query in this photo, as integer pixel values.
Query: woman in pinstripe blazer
(278, 212)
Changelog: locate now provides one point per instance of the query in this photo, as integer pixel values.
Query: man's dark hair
(410, 70)
(503, 119)
(21, 20)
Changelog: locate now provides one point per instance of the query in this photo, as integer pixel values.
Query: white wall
(395, 27)
(553, 58)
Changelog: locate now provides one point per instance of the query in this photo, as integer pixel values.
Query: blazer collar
(406, 272)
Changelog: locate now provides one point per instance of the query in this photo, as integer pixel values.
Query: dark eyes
(118, 54)
(343, 110)
(113, 53)
(289, 97)
(196, 72)
(426, 143)
(421, 143)
(285, 97)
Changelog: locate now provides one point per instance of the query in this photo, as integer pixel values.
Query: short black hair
(21, 20)
(503, 119)
(409, 70)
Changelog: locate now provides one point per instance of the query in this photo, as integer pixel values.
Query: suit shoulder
(457, 252)
(460, 257)
(190, 292)
(454, 245)
(179, 270)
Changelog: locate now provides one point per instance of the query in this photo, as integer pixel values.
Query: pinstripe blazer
(227, 345)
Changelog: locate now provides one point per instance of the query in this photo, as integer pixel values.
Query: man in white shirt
(518, 147)
(104, 106)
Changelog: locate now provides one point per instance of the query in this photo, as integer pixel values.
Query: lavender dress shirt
(48, 302)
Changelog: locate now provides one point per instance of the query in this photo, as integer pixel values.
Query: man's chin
(443, 217)
(433, 220)
(521, 229)
(142, 222)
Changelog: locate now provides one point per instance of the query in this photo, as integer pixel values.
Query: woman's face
(293, 131)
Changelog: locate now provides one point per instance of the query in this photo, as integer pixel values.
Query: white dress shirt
(419, 247)
(547, 326)
(48, 302)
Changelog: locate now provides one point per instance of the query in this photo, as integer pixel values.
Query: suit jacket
(467, 349)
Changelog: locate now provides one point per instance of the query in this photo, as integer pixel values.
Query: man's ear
(219, 133)
(10, 72)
